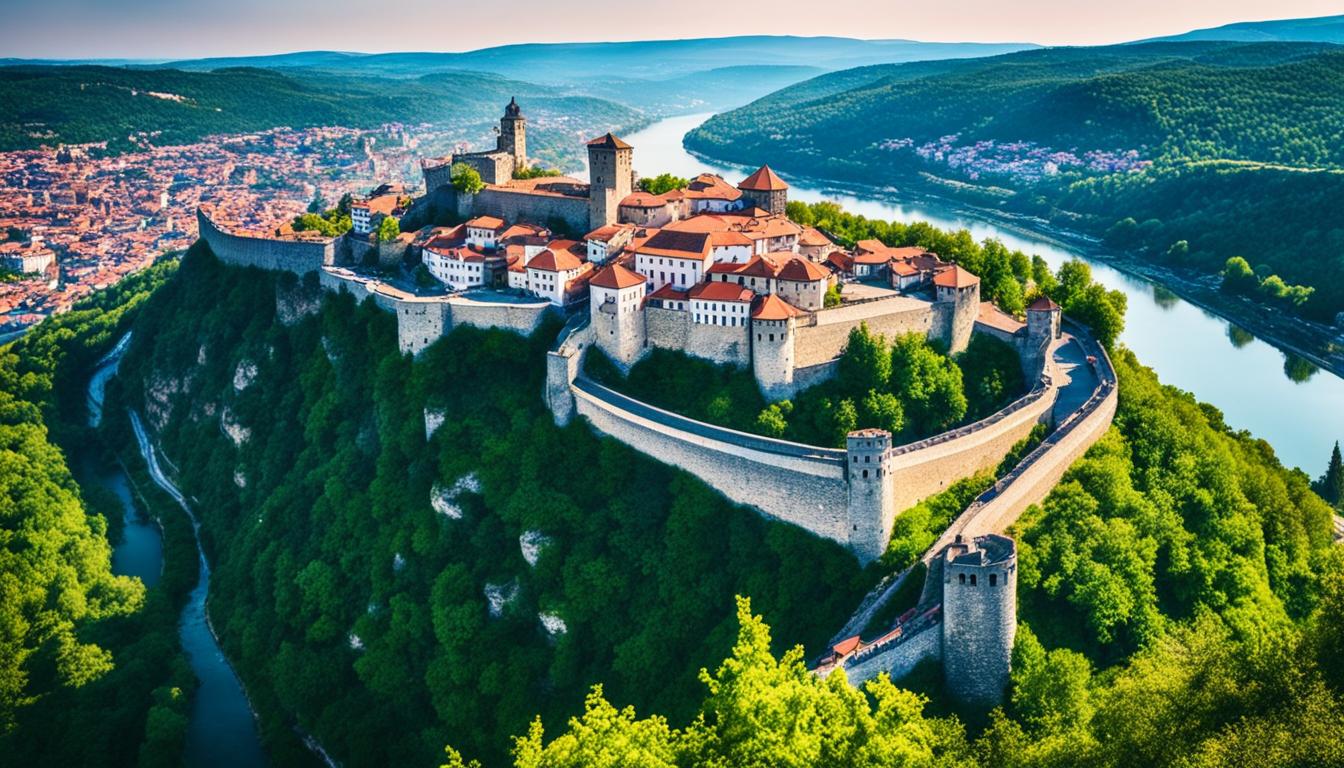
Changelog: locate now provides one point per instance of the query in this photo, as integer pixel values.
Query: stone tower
(610, 176)
(615, 302)
(959, 291)
(764, 189)
(772, 350)
(1042, 322)
(979, 617)
(513, 134)
(871, 506)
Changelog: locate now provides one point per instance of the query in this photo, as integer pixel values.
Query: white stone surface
(552, 623)
(499, 596)
(531, 543)
(244, 375)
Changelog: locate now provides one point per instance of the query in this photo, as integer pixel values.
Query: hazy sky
(194, 28)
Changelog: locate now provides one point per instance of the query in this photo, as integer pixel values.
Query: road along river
(1189, 347)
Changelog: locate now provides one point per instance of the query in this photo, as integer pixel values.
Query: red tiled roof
(642, 200)
(763, 180)
(721, 292)
(760, 266)
(801, 270)
(1043, 304)
(616, 277)
(774, 308)
(813, 236)
(677, 245)
(846, 646)
(486, 222)
(608, 141)
(554, 261)
(955, 277)
(668, 292)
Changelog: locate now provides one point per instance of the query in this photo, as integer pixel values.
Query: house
(720, 303)
(551, 273)
(674, 258)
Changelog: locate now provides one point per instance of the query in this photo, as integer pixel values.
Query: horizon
(157, 32)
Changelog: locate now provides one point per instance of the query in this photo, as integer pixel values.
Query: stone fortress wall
(805, 485)
(673, 329)
(517, 206)
(297, 256)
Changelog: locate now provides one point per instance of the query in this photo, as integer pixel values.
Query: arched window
(865, 474)
(962, 577)
(972, 579)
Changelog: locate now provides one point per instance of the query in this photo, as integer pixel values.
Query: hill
(1322, 29)
(1069, 133)
(646, 60)
(48, 105)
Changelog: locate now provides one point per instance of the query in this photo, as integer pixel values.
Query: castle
(719, 272)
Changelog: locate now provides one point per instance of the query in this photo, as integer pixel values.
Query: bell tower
(610, 178)
(513, 134)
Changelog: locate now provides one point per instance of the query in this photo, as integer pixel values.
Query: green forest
(92, 673)
(50, 105)
(907, 386)
(1227, 149)
(356, 609)
(1181, 603)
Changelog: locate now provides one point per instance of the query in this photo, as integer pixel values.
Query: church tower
(513, 134)
(611, 178)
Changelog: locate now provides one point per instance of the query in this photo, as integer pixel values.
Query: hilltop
(50, 105)
(1322, 29)
(1189, 140)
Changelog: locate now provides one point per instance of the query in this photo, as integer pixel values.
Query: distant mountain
(648, 60)
(1323, 29)
(1224, 148)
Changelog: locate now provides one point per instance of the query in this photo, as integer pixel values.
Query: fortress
(720, 272)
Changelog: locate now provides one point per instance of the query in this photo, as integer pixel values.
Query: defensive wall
(805, 485)
(297, 256)
(519, 206)
(673, 329)
(821, 336)
(422, 320)
(976, 647)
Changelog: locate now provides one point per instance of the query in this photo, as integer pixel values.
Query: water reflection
(1164, 298)
(1298, 369)
(1239, 336)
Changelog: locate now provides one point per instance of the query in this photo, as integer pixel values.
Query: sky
(169, 29)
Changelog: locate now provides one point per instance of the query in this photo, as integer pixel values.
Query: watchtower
(773, 325)
(610, 178)
(871, 506)
(615, 299)
(513, 134)
(979, 617)
(764, 189)
(1042, 321)
(959, 290)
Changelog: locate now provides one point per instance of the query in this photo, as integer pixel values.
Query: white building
(458, 267)
(550, 272)
(721, 304)
(605, 243)
(484, 231)
(679, 259)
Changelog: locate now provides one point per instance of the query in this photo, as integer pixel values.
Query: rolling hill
(1243, 142)
(1322, 29)
(68, 104)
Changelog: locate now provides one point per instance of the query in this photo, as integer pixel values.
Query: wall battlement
(297, 256)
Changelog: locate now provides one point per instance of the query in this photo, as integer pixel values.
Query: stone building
(611, 178)
(979, 617)
(960, 289)
(765, 190)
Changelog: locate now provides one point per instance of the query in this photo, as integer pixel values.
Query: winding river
(1188, 346)
(221, 730)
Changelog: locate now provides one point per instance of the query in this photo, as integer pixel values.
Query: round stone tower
(615, 310)
(871, 508)
(1042, 321)
(979, 617)
(959, 291)
(772, 351)
(513, 134)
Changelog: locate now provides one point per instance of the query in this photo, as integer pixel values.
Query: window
(972, 579)
(962, 576)
(865, 474)
(993, 580)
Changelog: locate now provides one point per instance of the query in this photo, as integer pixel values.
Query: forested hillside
(54, 104)
(1232, 149)
(90, 670)
(356, 562)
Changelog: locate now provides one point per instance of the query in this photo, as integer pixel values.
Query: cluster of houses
(710, 249)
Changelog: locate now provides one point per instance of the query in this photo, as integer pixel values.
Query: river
(221, 730)
(1189, 347)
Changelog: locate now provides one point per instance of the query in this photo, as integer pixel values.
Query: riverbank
(1293, 335)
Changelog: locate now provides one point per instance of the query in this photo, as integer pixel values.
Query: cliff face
(362, 510)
